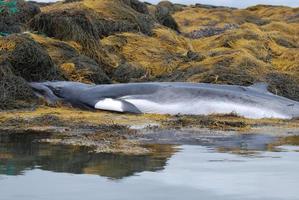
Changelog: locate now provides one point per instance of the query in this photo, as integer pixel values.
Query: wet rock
(28, 59)
(84, 69)
(163, 15)
(210, 31)
(293, 19)
(137, 5)
(76, 21)
(255, 20)
(14, 91)
(73, 65)
(171, 6)
(285, 42)
(126, 72)
(182, 75)
(193, 56)
(284, 84)
(73, 24)
(206, 6)
(13, 18)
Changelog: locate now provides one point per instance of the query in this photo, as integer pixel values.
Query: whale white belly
(203, 107)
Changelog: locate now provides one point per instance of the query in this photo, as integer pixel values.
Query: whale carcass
(171, 98)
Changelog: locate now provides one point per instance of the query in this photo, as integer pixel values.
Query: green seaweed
(11, 5)
(3, 34)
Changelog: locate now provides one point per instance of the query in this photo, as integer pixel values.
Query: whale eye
(56, 90)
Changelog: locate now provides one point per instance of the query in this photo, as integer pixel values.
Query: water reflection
(20, 152)
(252, 145)
(227, 167)
(243, 143)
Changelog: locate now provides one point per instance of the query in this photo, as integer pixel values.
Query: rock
(84, 69)
(14, 90)
(171, 6)
(137, 5)
(14, 19)
(126, 72)
(293, 19)
(193, 56)
(284, 84)
(28, 59)
(73, 65)
(285, 42)
(163, 15)
(210, 31)
(81, 23)
(206, 6)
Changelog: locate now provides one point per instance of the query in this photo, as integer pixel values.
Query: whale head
(57, 91)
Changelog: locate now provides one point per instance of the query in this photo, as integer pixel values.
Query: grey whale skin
(171, 98)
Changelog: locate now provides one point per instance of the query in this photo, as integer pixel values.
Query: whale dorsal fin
(261, 87)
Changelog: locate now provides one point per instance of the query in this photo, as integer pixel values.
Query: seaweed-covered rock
(284, 84)
(137, 5)
(84, 69)
(126, 72)
(85, 20)
(14, 14)
(73, 65)
(193, 56)
(205, 6)
(72, 24)
(14, 91)
(163, 15)
(229, 75)
(210, 31)
(171, 6)
(28, 59)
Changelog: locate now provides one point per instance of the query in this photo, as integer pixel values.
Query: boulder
(14, 90)
(163, 15)
(14, 15)
(28, 59)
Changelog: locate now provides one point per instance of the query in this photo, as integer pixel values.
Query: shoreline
(106, 132)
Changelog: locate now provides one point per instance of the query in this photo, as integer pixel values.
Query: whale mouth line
(45, 91)
(55, 91)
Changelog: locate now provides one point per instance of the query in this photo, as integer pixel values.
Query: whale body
(171, 98)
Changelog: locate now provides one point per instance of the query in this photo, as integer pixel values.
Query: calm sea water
(254, 167)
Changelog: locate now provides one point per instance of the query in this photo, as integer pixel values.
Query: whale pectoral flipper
(116, 105)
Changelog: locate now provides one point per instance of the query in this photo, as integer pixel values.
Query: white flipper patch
(110, 105)
(117, 105)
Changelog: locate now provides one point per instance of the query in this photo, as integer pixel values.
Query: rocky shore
(124, 133)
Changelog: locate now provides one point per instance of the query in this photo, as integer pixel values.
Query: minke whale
(171, 98)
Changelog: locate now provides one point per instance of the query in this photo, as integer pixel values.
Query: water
(232, 167)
